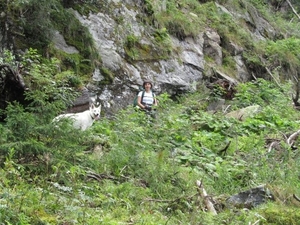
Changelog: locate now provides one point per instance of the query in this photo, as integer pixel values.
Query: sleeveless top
(148, 98)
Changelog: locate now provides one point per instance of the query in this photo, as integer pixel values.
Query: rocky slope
(135, 43)
(191, 60)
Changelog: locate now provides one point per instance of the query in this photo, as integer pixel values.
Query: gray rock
(251, 198)
(177, 74)
(244, 113)
(60, 43)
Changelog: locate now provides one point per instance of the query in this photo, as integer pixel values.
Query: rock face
(178, 71)
(175, 75)
(61, 44)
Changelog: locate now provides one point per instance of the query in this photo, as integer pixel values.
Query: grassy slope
(145, 173)
(129, 171)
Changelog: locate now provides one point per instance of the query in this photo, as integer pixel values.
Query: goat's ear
(92, 106)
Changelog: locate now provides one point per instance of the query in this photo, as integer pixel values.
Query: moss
(70, 78)
(82, 68)
(148, 8)
(282, 216)
(180, 26)
(108, 75)
(142, 52)
(163, 41)
(76, 35)
(85, 7)
(228, 63)
(159, 49)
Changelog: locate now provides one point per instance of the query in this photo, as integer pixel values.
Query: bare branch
(209, 205)
(269, 72)
(290, 141)
(272, 145)
(225, 110)
(224, 150)
(296, 197)
(294, 11)
(295, 98)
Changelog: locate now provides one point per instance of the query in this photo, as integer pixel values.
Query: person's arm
(155, 100)
(139, 102)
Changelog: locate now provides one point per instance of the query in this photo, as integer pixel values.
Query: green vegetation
(135, 51)
(131, 170)
(32, 23)
(190, 17)
(75, 34)
(284, 53)
(109, 76)
(130, 45)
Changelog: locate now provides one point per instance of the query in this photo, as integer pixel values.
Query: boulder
(244, 113)
(251, 198)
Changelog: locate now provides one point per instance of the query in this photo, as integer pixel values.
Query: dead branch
(269, 72)
(296, 97)
(253, 75)
(296, 197)
(293, 9)
(100, 177)
(121, 178)
(170, 201)
(225, 110)
(256, 222)
(209, 205)
(272, 145)
(224, 150)
(290, 141)
(159, 200)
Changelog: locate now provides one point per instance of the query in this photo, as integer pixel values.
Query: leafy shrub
(283, 53)
(260, 92)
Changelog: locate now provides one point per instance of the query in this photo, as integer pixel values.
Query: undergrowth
(134, 170)
(131, 170)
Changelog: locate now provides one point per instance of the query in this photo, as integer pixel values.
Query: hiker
(147, 99)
